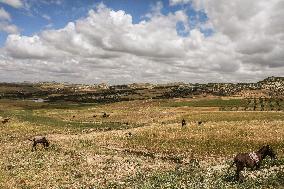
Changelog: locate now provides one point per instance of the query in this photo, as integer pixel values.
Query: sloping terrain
(140, 144)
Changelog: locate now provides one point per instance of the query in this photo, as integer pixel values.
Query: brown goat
(183, 123)
(5, 120)
(39, 140)
(105, 115)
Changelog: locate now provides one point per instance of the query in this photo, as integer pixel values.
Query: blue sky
(35, 16)
(127, 41)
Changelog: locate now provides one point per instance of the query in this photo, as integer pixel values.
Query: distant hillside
(272, 80)
(271, 87)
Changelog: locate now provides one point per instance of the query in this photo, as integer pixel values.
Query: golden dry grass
(87, 158)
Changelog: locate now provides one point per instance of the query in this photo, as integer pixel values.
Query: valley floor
(141, 144)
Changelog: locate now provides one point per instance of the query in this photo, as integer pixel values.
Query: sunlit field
(140, 144)
(141, 94)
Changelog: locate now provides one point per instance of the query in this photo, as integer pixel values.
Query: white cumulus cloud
(5, 23)
(8, 28)
(4, 15)
(13, 3)
(106, 46)
(177, 2)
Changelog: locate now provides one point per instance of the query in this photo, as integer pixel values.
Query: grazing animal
(94, 115)
(5, 120)
(183, 123)
(39, 140)
(105, 115)
(199, 122)
(252, 160)
(129, 134)
(73, 116)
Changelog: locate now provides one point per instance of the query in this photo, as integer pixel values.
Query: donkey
(252, 160)
(39, 139)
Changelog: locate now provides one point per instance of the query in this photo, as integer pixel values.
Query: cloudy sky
(127, 41)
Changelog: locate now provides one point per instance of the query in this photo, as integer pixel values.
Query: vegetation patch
(208, 103)
(138, 144)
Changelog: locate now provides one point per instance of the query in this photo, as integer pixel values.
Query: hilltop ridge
(269, 87)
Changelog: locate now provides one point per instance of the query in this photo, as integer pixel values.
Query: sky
(138, 41)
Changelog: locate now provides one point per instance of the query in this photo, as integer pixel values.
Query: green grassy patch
(208, 103)
(61, 125)
(234, 116)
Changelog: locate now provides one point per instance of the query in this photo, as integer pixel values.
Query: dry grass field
(141, 144)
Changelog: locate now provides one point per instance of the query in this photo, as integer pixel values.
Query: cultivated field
(140, 144)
